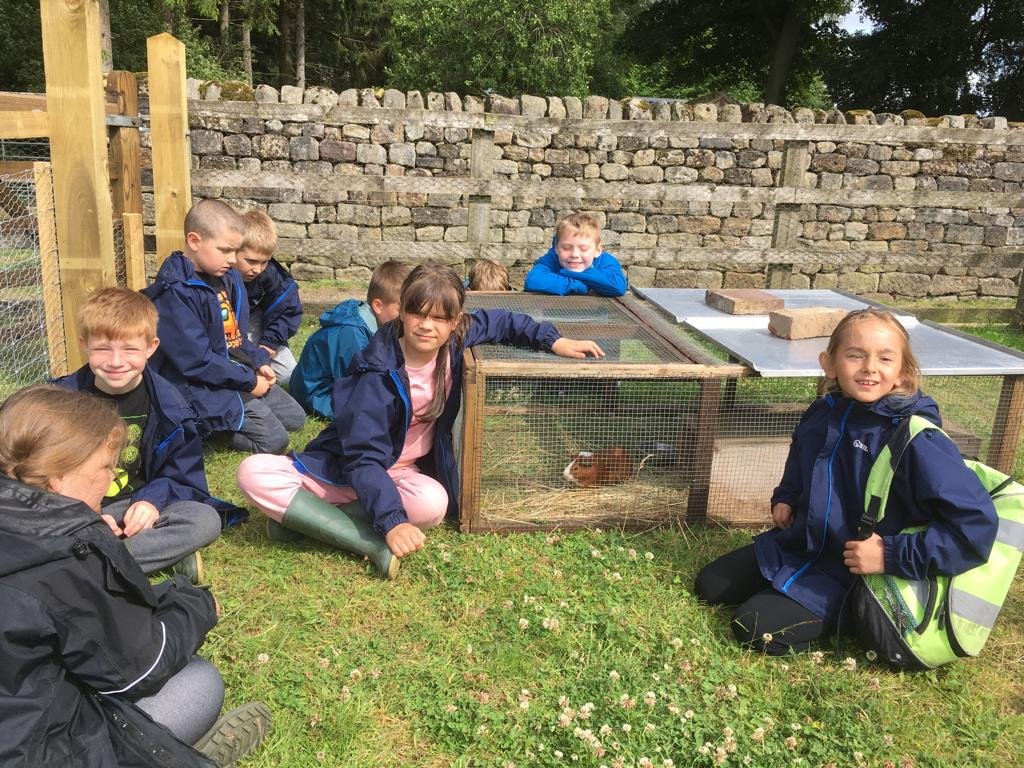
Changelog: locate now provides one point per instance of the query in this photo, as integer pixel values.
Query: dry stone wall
(689, 195)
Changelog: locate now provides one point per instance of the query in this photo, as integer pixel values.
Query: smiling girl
(390, 445)
(789, 584)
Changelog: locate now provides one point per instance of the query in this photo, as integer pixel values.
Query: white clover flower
(849, 664)
(817, 657)
(345, 693)
(524, 623)
(262, 658)
(766, 638)
(355, 674)
(790, 742)
(650, 698)
(688, 714)
(676, 643)
(626, 727)
(648, 555)
(605, 730)
(450, 708)
(758, 735)
(648, 727)
(596, 553)
(614, 675)
(632, 554)
(558, 753)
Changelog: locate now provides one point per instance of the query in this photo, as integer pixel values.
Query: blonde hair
(208, 218)
(47, 431)
(117, 314)
(578, 223)
(910, 374)
(386, 281)
(259, 233)
(489, 275)
(436, 289)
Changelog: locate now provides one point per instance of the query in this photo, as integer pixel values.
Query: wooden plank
(885, 134)
(55, 306)
(474, 390)
(134, 251)
(788, 217)
(24, 125)
(78, 150)
(564, 369)
(481, 166)
(172, 160)
(10, 167)
(125, 166)
(1006, 430)
(703, 451)
(16, 102)
(216, 183)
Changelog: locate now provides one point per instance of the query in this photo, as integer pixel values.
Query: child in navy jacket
(204, 316)
(159, 503)
(575, 264)
(275, 311)
(390, 445)
(789, 585)
(345, 329)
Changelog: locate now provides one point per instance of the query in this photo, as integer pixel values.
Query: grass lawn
(585, 649)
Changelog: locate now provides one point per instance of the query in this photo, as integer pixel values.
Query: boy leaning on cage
(575, 265)
(158, 503)
(206, 353)
(275, 311)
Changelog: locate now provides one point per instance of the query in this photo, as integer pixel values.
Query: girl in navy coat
(789, 585)
(390, 445)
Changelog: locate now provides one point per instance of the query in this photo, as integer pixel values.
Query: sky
(854, 22)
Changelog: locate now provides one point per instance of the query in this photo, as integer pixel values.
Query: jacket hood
(897, 407)
(382, 354)
(345, 313)
(35, 524)
(177, 268)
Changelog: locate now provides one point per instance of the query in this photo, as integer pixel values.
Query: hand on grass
(576, 348)
(782, 515)
(140, 517)
(864, 557)
(404, 539)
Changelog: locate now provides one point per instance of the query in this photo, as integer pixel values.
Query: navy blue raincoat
(604, 277)
(373, 412)
(276, 295)
(193, 353)
(826, 473)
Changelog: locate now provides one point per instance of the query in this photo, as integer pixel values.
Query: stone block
(291, 95)
(648, 174)
(965, 235)
(743, 301)
(270, 146)
(266, 94)
(403, 154)
(533, 106)
(206, 142)
(472, 103)
(805, 323)
(303, 213)
(573, 107)
(452, 102)
(371, 153)
(595, 108)
(303, 148)
(503, 105)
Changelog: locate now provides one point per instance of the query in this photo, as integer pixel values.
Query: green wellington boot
(346, 527)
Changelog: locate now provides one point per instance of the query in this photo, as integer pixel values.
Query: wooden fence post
(787, 217)
(78, 150)
(125, 168)
(134, 251)
(172, 159)
(55, 307)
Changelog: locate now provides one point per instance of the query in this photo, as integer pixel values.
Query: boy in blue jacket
(159, 503)
(345, 330)
(204, 317)
(275, 311)
(575, 264)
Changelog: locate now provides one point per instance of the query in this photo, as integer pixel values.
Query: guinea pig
(604, 467)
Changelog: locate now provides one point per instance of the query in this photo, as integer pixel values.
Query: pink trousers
(270, 482)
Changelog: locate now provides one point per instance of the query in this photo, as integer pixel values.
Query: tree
(511, 46)
(772, 47)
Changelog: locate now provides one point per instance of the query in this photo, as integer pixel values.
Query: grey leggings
(190, 702)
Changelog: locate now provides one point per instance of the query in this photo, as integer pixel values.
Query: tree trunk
(285, 54)
(784, 50)
(224, 29)
(247, 51)
(300, 44)
(168, 15)
(106, 49)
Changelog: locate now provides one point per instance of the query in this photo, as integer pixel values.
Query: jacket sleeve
(604, 277)
(496, 326)
(121, 645)
(184, 341)
(282, 313)
(366, 442)
(180, 474)
(546, 276)
(789, 488)
(960, 517)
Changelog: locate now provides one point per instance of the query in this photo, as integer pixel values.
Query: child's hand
(864, 557)
(140, 517)
(269, 350)
(404, 539)
(576, 348)
(782, 515)
(112, 525)
(267, 373)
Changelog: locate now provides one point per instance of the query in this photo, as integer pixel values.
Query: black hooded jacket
(82, 634)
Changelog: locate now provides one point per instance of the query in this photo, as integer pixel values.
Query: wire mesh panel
(641, 439)
(30, 320)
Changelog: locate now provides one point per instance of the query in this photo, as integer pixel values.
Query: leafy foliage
(513, 46)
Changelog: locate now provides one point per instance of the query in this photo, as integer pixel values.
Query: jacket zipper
(828, 505)
(227, 354)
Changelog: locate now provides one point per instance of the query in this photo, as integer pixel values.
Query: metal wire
(25, 354)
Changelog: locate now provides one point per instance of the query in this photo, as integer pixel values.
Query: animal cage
(665, 429)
